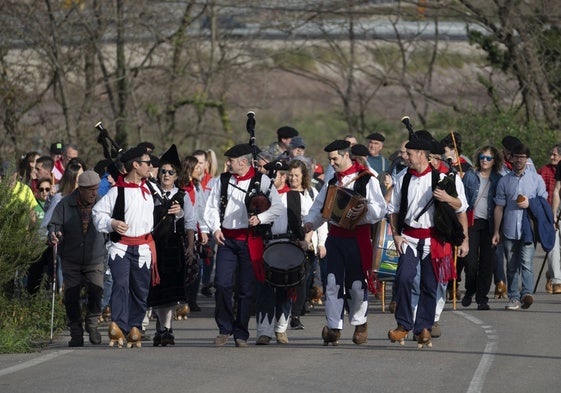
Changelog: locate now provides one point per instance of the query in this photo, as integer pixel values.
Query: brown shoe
(330, 336)
(134, 338)
(548, 286)
(360, 335)
(500, 290)
(282, 338)
(398, 334)
(316, 295)
(556, 288)
(106, 314)
(181, 312)
(116, 335)
(424, 338)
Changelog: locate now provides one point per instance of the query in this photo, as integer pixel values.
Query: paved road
(479, 351)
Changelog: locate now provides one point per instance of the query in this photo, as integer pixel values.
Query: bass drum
(284, 264)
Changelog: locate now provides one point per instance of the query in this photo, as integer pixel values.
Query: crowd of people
(276, 232)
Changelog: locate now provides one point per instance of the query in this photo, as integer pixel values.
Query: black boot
(157, 339)
(76, 341)
(95, 336)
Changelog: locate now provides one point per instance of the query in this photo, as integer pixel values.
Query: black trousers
(91, 278)
(480, 261)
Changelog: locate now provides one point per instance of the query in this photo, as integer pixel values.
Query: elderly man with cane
(82, 251)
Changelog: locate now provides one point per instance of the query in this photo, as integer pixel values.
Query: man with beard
(516, 192)
(348, 251)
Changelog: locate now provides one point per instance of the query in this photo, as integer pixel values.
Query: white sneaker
(513, 304)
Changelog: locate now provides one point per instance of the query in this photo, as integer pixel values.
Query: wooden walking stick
(454, 282)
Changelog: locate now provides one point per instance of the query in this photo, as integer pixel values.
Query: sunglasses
(148, 162)
(170, 172)
(483, 157)
(41, 189)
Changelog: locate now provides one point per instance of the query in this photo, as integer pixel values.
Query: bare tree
(519, 28)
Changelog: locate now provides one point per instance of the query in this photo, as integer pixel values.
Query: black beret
(148, 145)
(338, 144)
(436, 146)
(359, 150)
(278, 165)
(509, 142)
(448, 141)
(423, 134)
(287, 132)
(131, 154)
(419, 144)
(170, 157)
(376, 136)
(239, 150)
(102, 166)
(154, 160)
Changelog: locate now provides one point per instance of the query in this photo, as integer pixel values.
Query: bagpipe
(111, 151)
(257, 201)
(447, 225)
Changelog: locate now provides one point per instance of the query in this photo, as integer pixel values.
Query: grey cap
(88, 179)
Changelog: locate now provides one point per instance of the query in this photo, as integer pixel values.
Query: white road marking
(34, 362)
(478, 379)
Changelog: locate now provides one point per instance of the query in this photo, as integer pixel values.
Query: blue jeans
(519, 262)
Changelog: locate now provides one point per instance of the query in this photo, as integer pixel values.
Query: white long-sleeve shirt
(235, 214)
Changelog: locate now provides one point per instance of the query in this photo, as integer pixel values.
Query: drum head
(283, 255)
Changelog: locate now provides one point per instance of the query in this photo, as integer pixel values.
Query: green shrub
(25, 320)
(489, 128)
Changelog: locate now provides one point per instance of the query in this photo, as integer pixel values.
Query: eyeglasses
(170, 172)
(41, 189)
(483, 157)
(519, 157)
(148, 162)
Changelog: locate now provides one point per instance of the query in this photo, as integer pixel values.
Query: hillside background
(187, 72)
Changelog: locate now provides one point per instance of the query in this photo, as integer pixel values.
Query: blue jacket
(542, 217)
(471, 185)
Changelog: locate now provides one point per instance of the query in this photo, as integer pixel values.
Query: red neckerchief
(508, 165)
(247, 176)
(442, 167)
(284, 189)
(356, 167)
(204, 182)
(122, 183)
(190, 190)
(419, 174)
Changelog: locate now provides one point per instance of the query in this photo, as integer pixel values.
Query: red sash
(145, 239)
(440, 253)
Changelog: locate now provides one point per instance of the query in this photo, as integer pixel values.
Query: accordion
(344, 207)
